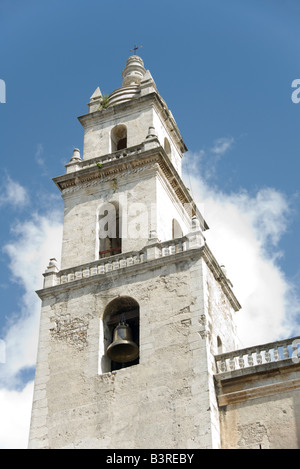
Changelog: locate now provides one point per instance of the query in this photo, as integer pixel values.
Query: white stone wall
(270, 421)
(76, 407)
(220, 315)
(146, 203)
(219, 321)
(82, 208)
(168, 208)
(138, 120)
(163, 132)
(183, 307)
(97, 129)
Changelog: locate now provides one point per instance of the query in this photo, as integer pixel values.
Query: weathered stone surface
(182, 306)
(169, 383)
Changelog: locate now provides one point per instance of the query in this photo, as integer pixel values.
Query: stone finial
(96, 95)
(76, 155)
(151, 140)
(50, 273)
(151, 132)
(134, 71)
(52, 266)
(95, 100)
(73, 163)
(195, 236)
(147, 84)
(195, 223)
(152, 248)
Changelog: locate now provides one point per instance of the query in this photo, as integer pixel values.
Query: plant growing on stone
(105, 101)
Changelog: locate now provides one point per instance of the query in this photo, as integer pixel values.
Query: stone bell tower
(131, 320)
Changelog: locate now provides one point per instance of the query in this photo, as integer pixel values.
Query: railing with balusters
(258, 355)
(119, 261)
(119, 154)
(102, 266)
(168, 248)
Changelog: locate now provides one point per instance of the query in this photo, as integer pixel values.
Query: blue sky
(225, 70)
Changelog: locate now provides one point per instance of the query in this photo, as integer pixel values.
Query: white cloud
(40, 159)
(13, 194)
(221, 145)
(35, 242)
(38, 154)
(15, 410)
(244, 234)
(209, 157)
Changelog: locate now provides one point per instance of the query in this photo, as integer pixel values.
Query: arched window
(176, 229)
(120, 352)
(167, 147)
(110, 238)
(119, 137)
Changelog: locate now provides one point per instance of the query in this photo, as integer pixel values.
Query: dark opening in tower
(118, 138)
(122, 332)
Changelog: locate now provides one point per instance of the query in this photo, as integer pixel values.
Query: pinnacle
(97, 94)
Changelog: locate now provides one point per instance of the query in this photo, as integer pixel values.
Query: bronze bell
(122, 349)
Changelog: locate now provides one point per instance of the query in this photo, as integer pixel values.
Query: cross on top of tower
(135, 48)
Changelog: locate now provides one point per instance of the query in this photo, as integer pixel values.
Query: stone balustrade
(173, 247)
(112, 156)
(153, 250)
(76, 163)
(102, 266)
(258, 355)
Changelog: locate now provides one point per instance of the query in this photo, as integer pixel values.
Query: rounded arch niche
(119, 137)
(122, 308)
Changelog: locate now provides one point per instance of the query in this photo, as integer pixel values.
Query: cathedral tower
(132, 319)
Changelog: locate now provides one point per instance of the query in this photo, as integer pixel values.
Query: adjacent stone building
(136, 274)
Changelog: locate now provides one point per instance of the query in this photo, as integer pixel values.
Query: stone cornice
(89, 273)
(259, 391)
(153, 255)
(257, 371)
(129, 161)
(270, 378)
(219, 275)
(110, 167)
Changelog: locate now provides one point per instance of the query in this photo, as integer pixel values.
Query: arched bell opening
(121, 333)
(119, 138)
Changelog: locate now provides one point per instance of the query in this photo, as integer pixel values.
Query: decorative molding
(259, 391)
(124, 163)
(131, 262)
